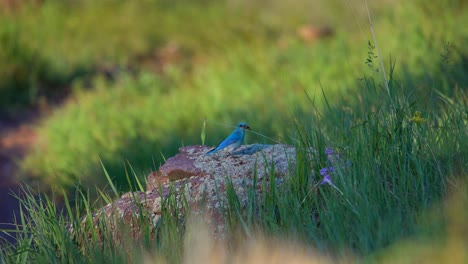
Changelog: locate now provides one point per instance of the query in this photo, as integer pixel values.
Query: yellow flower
(417, 118)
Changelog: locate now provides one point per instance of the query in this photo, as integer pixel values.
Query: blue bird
(233, 141)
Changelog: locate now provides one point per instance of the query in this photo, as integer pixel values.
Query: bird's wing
(231, 139)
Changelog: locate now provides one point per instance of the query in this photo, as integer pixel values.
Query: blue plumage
(233, 141)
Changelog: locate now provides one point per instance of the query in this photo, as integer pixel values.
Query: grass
(403, 155)
(396, 172)
(233, 72)
(393, 171)
(47, 46)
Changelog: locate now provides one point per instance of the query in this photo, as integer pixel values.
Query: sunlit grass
(45, 47)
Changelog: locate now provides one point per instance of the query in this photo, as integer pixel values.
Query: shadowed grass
(389, 168)
(73, 234)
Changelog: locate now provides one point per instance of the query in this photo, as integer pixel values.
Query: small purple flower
(326, 171)
(329, 151)
(327, 180)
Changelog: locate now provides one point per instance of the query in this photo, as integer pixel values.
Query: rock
(199, 181)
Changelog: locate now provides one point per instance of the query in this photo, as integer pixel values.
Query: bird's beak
(247, 127)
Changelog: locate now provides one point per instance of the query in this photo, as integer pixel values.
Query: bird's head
(243, 125)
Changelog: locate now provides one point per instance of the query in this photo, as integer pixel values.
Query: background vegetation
(143, 78)
(140, 78)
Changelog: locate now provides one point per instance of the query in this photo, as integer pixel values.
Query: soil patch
(16, 137)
